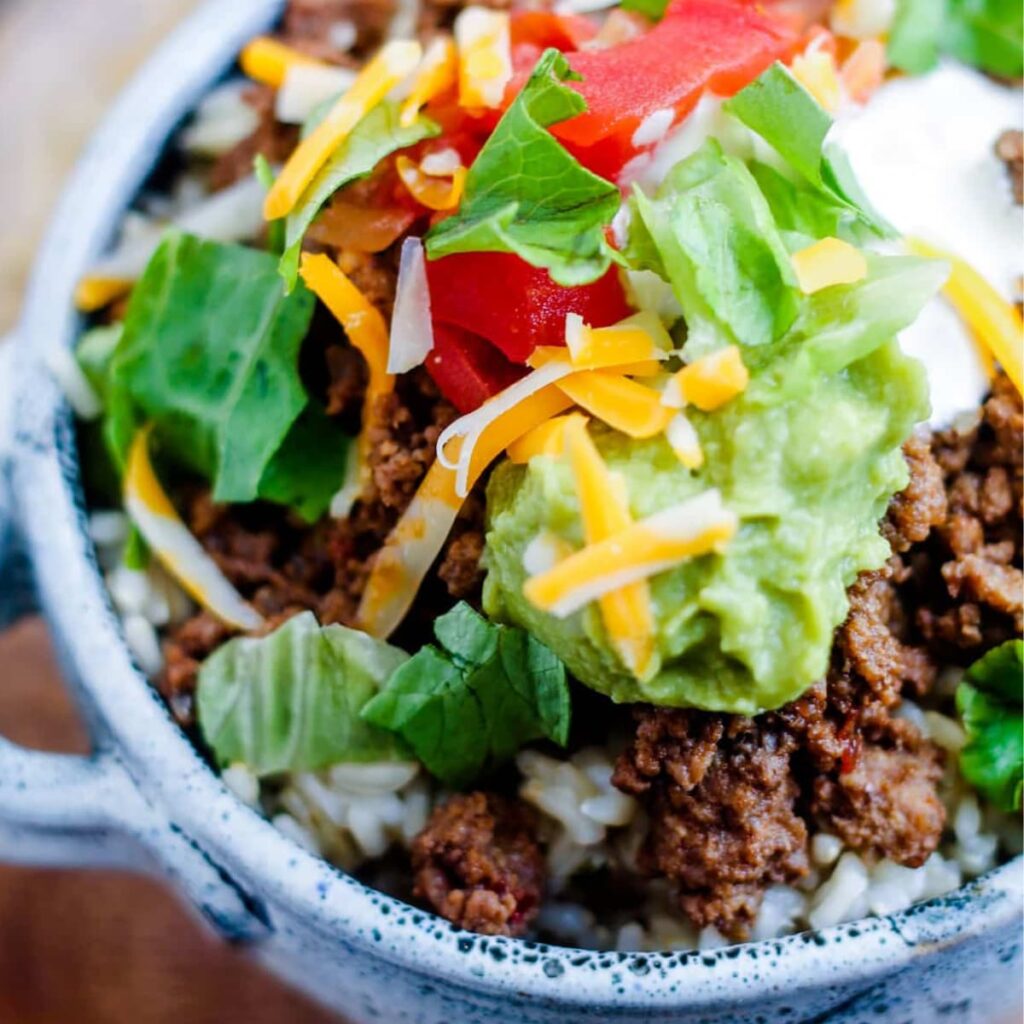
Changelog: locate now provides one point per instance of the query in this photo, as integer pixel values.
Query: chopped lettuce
(653, 9)
(291, 701)
(475, 700)
(526, 194)
(266, 177)
(378, 134)
(779, 109)
(987, 34)
(209, 354)
(990, 701)
(710, 233)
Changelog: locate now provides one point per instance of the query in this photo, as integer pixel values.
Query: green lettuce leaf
(210, 355)
(840, 325)
(987, 34)
(291, 701)
(914, 39)
(779, 109)
(266, 177)
(653, 9)
(711, 235)
(378, 134)
(526, 194)
(990, 701)
(473, 702)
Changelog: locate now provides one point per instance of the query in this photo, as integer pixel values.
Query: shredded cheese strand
(654, 545)
(416, 541)
(177, 549)
(604, 509)
(435, 192)
(394, 61)
(269, 60)
(623, 404)
(995, 324)
(438, 72)
(367, 332)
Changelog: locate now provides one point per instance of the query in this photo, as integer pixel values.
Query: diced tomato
(718, 45)
(466, 369)
(545, 28)
(513, 305)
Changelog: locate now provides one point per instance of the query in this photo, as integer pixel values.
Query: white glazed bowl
(145, 799)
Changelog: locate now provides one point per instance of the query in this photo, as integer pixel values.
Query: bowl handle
(64, 810)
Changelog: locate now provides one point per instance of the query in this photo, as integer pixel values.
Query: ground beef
(460, 568)
(271, 139)
(318, 26)
(478, 864)
(1010, 149)
(722, 800)
(184, 651)
(886, 804)
(965, 583)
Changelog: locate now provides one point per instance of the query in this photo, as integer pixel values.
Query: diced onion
(412, 332)
(306, 86)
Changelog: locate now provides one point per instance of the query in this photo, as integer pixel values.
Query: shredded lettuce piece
(266, 177)
(291, 701)
(710, 233)
(474, 701)
(209, 353)
(779, 109)
(526, 194)
(377, 135)
(653, 9)
(990, 702)
(987, 34)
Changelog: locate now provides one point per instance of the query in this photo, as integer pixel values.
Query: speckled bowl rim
(281, 878)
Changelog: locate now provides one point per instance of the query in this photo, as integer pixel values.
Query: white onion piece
(222, 120)
(306, 86)
(412, 333)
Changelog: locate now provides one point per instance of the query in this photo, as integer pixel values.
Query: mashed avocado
(809, 469)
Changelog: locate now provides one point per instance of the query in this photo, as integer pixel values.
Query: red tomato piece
(716, 45)
(545, 28)
(466, 369)
(516, 306)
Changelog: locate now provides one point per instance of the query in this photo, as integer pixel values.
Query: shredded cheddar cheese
(828, 262)
(417, 539)
(182, 555)
(699, 526)
(435, 192)
(708, 382)
(546, 438)
(604, 509)
(393, 63)
(623, 404)
(995, 323)
(367, 331)
(816, 71)
(438, 72)
(638, 339)
(95, 293)
(485, 57)
(268, 61)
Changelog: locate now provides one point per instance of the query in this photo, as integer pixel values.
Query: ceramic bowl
(144, 798)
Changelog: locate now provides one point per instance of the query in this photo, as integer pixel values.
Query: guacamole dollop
(807, 460)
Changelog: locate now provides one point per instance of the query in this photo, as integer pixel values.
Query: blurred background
(88, 947)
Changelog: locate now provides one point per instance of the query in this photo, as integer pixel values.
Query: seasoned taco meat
(965, 583)
(722, 799)
(478, 864)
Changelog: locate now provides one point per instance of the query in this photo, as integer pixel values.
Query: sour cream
(923, 151)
